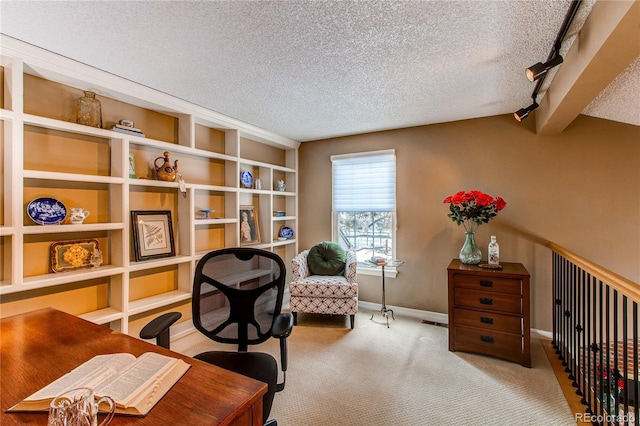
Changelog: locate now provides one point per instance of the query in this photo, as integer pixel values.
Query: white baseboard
(541, 334)
(414, 313)
(185, 336)
(437, 317)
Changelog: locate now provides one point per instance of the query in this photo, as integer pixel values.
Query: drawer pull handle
(486, 301)
(486, 283)
(486, 320)
(486, 339)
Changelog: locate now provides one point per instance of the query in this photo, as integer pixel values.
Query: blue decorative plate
(246, 179)
(46, 211)
(286, 232)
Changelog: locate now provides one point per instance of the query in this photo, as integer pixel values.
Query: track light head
(534, 72)
(523, 113)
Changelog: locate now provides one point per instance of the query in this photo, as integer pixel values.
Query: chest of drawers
(489, 311)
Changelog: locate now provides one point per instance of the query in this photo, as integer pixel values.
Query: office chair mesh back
(239, 293)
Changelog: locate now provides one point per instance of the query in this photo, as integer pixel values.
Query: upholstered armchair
(324, 294)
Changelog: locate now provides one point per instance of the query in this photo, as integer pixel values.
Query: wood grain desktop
(41, 346)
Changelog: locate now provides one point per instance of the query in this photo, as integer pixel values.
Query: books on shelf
(128, 130)
(135, 384)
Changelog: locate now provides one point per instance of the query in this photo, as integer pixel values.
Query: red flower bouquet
(473, 208)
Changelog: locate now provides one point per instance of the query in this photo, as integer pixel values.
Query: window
(364, 204)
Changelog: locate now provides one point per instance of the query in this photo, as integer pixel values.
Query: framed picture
(249, 229)
(152, 234)
(132, 166)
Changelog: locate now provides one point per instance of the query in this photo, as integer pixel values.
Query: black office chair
(237, 299)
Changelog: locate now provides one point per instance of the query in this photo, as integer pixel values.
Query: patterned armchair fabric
(319, 294)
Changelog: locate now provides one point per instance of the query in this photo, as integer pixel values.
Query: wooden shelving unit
(45, 153)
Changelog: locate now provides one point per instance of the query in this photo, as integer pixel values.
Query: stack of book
(128, 130)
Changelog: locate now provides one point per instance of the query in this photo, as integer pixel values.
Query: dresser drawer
(507, 346)
(488, 301)
(489, 310)
(488, 321)
(500, 285)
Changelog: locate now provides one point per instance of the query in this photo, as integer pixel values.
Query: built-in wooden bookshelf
(45, 153)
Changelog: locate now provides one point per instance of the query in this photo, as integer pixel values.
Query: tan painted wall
(579, 189)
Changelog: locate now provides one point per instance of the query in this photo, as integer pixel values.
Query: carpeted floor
(404, 375)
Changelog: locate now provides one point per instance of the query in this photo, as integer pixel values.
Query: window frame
(363, 267)
(367, 268)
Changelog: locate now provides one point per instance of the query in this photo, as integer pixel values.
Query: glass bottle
(89, 110)
(494, 251)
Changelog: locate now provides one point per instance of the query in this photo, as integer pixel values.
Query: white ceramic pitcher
(78, 215)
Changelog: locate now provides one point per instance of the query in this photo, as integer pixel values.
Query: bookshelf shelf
(45, 153)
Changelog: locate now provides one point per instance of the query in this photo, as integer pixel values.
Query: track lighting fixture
(536, 71)
(523, 113)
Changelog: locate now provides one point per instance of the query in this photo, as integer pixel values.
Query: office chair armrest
(282, 325)
(158, 328)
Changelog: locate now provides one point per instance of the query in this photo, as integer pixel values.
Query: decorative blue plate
(46, 211)
(286, 232)
(246, 179)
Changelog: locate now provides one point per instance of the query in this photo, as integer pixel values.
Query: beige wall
(579, 189)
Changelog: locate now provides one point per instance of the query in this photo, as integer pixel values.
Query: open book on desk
(136, 385)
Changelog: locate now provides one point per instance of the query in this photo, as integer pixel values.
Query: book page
(150, 393)
(136, 385)
(136, 379)
(89, 374)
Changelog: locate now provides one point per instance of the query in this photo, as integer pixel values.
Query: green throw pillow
(327, 258)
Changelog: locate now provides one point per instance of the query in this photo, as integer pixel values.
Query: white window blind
(364, 182)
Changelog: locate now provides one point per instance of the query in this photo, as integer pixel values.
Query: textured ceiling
(317, 69)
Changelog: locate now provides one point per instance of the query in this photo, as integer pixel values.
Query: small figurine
(281, 186)
(96, 258)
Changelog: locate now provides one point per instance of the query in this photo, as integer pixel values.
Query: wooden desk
(38, 347)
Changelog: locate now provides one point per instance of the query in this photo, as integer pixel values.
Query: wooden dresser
(489, 311)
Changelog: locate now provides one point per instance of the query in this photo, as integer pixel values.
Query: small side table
(384, 310)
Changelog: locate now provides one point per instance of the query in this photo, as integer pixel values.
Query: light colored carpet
(404, 375)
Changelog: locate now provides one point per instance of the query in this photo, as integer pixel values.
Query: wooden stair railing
(595, 334)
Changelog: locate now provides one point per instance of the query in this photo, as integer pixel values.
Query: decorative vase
(165, 171)
(89, 110)
(470, 254)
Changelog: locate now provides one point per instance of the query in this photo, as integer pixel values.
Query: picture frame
(249, 225)
(132, 166)
(152, 234)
